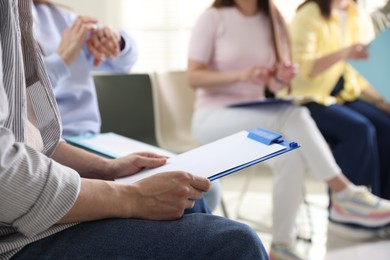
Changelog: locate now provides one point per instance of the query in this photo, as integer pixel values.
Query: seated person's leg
(213, 197)
(195, 236)
(351, 127)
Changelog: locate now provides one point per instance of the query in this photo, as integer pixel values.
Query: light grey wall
(104, 10)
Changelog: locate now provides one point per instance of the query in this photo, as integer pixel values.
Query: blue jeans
(213, 197)
(358, 134)
(200, 206)
(195, 236)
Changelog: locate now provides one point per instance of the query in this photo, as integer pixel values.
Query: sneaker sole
(361, 221)
(352, 233)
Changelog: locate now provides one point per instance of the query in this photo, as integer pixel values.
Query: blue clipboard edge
(263, 102)
(290, 146)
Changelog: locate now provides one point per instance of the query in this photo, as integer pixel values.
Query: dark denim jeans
(358, 134)
(195, 236)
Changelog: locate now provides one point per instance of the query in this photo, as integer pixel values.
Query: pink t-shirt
(227, 40)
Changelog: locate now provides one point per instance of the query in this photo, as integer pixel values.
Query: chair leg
(308, 239)
(223, 206)
(258, 226)
(242, 193)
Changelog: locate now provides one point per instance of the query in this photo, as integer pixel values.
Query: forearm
(163, 196)
(370, 95)
(56, 68)
(208, 78)
(99, 200)
(327, 61)
(87, 164)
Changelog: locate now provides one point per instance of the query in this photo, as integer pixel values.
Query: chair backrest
(126, 105)
(174, 105)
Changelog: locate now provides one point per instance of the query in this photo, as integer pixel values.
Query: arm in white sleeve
(35, 191)
(56, 68)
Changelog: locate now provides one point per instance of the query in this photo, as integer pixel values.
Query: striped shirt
(35, 191)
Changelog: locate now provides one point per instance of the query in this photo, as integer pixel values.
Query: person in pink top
(239, 51)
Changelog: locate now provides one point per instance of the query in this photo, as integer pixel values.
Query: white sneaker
(361, 208)
(351, 233)
(284, 252)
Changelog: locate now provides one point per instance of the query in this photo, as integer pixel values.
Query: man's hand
(133, 163)
(74, 37)
(104, 43)
(165, 196)
(160, 197)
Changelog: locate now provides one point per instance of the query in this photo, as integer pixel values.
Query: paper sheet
(213, 158)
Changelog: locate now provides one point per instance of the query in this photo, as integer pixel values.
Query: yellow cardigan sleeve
(313, 37)
(304, 35)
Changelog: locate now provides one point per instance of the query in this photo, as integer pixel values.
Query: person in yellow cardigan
(352, 116)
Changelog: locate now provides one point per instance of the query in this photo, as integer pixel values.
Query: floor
(328, 241)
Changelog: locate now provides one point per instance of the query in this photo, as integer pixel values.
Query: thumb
(200, 183)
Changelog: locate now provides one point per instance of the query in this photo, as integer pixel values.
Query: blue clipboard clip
(268, 137)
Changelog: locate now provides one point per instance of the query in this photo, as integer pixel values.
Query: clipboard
(273, 101)
(112, 145)
(224, 156)
(376, 68)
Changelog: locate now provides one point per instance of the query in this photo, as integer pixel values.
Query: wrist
(67, 57)
(101, 168)
(379, 101)
(126, 199)
(240, 76)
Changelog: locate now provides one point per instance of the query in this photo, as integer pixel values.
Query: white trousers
(295, 124)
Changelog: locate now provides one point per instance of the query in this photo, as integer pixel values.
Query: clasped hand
(275, 77)
(102, 42)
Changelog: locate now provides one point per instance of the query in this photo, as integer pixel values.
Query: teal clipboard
(377, 67)
(112, 145)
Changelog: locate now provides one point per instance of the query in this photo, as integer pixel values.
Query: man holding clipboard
(56, 201)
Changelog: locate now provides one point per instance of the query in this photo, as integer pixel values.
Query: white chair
(173, 102)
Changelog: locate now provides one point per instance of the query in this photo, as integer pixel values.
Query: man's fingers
(109, 40)
(94, 51)
(195, 194)
(81, 21)
(200, 183)
(150, 162)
